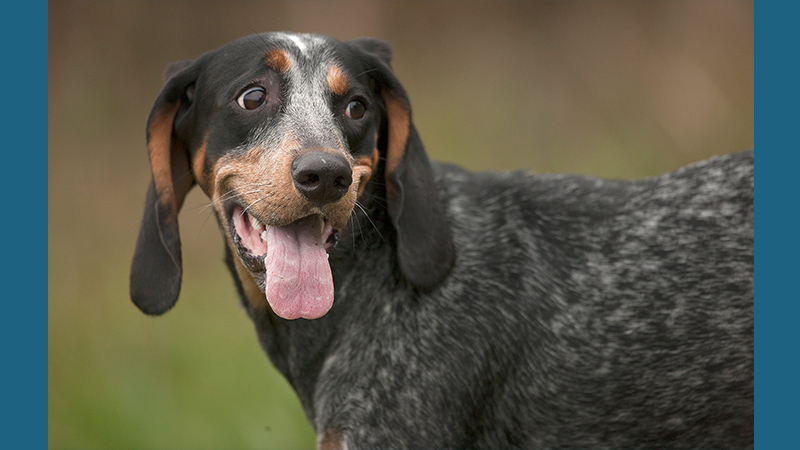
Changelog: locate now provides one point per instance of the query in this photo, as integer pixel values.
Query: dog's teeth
(321, 224)
(254, 222)
(263, 235)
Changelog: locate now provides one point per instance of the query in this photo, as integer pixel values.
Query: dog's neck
(298, 348)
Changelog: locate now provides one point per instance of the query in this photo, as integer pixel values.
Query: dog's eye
(252, 98)
(355, 109)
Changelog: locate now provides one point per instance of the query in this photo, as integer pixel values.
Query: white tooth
(263, 235)
(321, 224)
(254, 222)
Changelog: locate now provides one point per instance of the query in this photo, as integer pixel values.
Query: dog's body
(472, 310)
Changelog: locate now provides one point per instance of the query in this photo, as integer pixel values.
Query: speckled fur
(581, 313)
(511, 310)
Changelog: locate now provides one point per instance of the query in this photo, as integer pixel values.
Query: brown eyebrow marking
(337, 80)
(278, 60)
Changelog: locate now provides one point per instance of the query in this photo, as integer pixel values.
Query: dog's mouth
(289, 263)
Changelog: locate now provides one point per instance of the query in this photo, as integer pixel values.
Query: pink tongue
(299, 281)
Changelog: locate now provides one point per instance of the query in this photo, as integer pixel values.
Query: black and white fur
(548, 311)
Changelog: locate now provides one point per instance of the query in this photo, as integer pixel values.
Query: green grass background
(619, 89)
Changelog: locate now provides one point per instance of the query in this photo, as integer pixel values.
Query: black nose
(321, 177)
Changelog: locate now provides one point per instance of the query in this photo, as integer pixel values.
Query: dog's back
(580, 313)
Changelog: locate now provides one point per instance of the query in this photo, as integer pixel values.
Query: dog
(413, 304)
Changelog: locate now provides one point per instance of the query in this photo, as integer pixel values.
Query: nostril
(341, 182)
(308, 179)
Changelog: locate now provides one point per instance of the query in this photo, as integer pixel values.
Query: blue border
(777, 204)
(23, 330)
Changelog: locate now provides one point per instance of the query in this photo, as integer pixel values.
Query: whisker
(367, 71)
(253, 188)
(370, 220)
(353, 220)
(204, 223)
(257, 201)
(264, 49)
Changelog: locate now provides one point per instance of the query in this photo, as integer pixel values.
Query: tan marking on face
(364, 167)
(337, 80)
(261, 178)
(263, 181)
(279, 60)
(160, 148)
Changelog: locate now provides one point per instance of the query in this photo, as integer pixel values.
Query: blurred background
(621, 89)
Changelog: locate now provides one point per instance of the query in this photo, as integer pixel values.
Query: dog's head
(284, 132)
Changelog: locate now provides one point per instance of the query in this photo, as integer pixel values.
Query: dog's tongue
(298, 281)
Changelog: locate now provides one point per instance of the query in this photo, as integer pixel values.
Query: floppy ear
(425, 249)
(156, 269)
(375, 48)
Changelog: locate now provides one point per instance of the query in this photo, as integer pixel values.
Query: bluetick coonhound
(413, 304)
